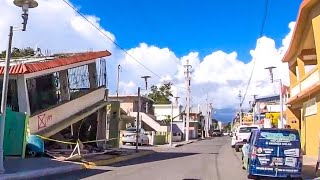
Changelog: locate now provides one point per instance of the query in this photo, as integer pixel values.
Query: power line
(115, 43)
(254, 58)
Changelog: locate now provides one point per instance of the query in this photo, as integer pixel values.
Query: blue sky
(184, 26)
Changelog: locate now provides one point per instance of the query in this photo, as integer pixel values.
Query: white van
(242, 132)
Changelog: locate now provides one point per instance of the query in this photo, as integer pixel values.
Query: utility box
(15, 133)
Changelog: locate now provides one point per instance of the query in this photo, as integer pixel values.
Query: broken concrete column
(92, 75)
(23, 97)
(114, 118)
(64, 85)
(101, 127)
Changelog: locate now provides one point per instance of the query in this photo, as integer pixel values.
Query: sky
(221, 39)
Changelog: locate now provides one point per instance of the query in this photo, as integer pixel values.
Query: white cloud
(52, 26)
(56, 27)
(220, 74)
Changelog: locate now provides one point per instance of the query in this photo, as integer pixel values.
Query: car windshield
(247, 129)
(216, 131)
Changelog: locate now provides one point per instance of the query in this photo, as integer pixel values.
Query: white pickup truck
(242, 132)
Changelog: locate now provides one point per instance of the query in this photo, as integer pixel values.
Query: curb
(190, 142)
(70, 168)
(118, 159)
(43, 172)
(75, 167)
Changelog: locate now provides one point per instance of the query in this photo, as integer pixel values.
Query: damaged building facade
(64, 95)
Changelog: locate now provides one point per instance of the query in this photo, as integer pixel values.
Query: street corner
(116, 159)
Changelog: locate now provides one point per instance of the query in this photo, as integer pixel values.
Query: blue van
(273, 153)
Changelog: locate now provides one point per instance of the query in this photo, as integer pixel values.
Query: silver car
(129, 136)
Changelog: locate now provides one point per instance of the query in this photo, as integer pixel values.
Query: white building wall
(163, 110)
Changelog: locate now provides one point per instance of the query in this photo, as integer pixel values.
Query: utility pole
(25, 5)
(280, 94)
(171, 119)
(138, 118)
(139, 109)
(188, 82)
(207, 119)
(254, 108)
(240, 105)
(118, 79)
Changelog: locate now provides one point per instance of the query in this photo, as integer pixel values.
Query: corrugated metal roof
(26, 68)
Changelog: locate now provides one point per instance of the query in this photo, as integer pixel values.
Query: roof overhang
(42, 66)
(301, 24)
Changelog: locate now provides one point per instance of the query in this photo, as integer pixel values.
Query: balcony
(306, 84)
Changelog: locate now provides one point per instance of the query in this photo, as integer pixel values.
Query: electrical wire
(115, 43)
(108, 37)
(254, 58)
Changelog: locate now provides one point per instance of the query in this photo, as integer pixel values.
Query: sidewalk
(29, 168)
(309, 166)
(36, 167)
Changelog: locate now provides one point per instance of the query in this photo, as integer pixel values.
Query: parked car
(216, 132)
(273, 153)
(225, 133)
(231, 134)
(242, 132)
(129, 136)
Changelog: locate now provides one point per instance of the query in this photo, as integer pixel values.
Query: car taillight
(254, 153)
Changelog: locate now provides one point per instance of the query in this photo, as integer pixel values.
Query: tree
(162, 94)
(228, 127)
(17, 53)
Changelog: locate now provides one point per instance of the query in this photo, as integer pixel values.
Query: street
(211, 159)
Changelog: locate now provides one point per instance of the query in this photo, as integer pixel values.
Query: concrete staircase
(151, 121)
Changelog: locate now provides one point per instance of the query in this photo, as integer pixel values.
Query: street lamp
(240, 106)
(280, 93)
(25, 5)
(146, 80)
(139, 107)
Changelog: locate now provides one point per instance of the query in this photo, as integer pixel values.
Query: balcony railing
(307, 81)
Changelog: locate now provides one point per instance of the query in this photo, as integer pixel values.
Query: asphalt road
(203, 160)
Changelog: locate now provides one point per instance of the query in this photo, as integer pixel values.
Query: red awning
(32, 67)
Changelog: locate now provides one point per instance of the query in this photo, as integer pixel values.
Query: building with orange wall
(303, 58)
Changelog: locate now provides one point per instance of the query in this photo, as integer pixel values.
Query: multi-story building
(129, 103)
(58, 91)
(303, 58)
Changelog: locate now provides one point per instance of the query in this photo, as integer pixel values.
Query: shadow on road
(159, 156)
(75, 175)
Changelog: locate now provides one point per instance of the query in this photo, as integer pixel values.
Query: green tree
(228, 127)
(162, 94)
(18, 53)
